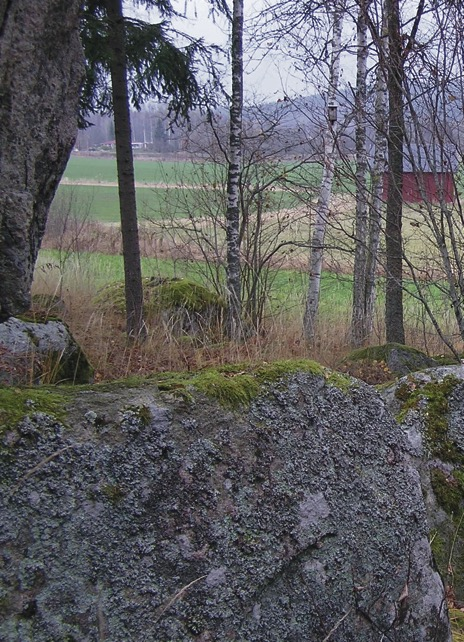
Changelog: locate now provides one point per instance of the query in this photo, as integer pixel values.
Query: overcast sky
(269, 79)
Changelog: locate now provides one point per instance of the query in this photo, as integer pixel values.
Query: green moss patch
(380, 364)
(237, 385)
(182, 293)
(16, 403)
(163, 294)
(432, 397)
(380, 353)
(113, 492)
(448, 490)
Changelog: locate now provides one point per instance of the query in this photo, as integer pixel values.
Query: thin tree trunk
(234, 315)
(126, 181)
(375, 211)
(359, 325)
(393, 235)
(322, 211)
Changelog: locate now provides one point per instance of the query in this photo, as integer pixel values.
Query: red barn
(426, 178)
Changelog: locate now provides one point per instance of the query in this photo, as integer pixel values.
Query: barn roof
(430, 158)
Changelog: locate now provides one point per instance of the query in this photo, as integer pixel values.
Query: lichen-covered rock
(165, 516)
(430, 408)
(398, 359)
(40, 353)
(41, 69)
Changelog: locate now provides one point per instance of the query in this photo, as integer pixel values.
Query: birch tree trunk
(359, 326)
(322, 210)
(126, 179)
(234, 309)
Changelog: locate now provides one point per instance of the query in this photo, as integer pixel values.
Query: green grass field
(101, 269)
(101, 203)
(103, 170)
(288, 291)
(84, 168)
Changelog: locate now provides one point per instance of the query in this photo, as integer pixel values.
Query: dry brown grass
(101, 333)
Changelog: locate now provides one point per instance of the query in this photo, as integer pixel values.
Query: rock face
(399, 359)
(147, 516)
(430, 408)
(41, 68)
(33, 353)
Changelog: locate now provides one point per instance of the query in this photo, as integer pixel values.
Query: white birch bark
(234, 324)
(322, 210)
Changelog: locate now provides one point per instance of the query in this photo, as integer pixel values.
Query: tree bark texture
(359, 321)
(234, 314)
(41, 70)
(322, 211)
(376, 204)
(126, 179)
(394, 324)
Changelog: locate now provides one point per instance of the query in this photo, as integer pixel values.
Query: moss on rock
(433, 396)
(237, 385)
(378, 364)
(15, 403)
(448, 490)
(182, 293)
(161, 294)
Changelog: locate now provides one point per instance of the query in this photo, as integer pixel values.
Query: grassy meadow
(82, 253)
(164, 189)
(154, 172)
(103, 170)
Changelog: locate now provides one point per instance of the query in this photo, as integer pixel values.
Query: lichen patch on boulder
(152, 516)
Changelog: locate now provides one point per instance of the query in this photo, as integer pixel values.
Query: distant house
(426, 178)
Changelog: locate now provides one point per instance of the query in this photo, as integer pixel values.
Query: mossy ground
(369, 365)
(380, 353)
(15, 403)
(373, 364)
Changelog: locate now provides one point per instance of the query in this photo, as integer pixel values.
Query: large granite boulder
(34, 352)
(41, 69)
(430, 408)
(378, 364)
(157, 513)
